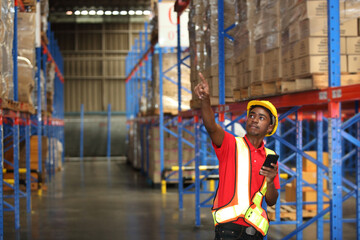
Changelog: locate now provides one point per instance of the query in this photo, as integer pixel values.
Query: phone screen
(270, 158)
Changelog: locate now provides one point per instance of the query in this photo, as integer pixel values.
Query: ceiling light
(146, 12)
(123, 12)
(131, 12)
(100, 12)
(92, 12)
(84, 12)
(115, 12)
(77, 12)
(139, 12)
(69, 12)
(107, 13)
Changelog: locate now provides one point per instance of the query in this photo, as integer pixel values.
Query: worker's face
(258, 122)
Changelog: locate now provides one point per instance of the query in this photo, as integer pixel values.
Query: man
(244, 182)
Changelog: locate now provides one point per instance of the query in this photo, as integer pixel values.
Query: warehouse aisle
(90, 203)
(112, 201)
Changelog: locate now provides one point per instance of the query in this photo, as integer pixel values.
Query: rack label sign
(167, 19)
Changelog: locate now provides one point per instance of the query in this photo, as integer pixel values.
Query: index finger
(202, 77)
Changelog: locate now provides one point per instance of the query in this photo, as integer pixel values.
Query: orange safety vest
(242, 205)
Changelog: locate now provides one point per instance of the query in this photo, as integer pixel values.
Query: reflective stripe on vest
(241, 205)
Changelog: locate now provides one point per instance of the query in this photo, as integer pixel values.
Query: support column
(299, 193)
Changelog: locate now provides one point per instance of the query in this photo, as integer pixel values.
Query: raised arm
(215, 131)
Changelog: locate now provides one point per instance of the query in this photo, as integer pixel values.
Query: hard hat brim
(269, 106)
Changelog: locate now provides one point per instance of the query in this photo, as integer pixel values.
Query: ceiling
(64, 5)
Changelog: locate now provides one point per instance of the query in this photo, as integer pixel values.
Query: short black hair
(272, 117)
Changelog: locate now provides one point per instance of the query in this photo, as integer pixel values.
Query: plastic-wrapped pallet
(244, 47)
(170, 89)
(203, 34)
(6, 42)
(34, 92)
(26, 55)
(305, 44)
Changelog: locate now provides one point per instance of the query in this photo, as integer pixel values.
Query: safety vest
(241, 204)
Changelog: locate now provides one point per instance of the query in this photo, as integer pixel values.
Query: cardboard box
(214, 86)
(350, 79)
(349, 27)
(259, 59)
(288, 69)
(309, 166)
(229, 68)
(353, 63)
(316, 9)
(248, 64)
(311, 196)
(316, 64)
(272, 71)
(257, 75)
(353, 45)
(352, 9)
(273, 56)
(290, 192)
(316, 46)
(317, 27)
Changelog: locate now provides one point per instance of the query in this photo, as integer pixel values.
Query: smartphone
(270, 158)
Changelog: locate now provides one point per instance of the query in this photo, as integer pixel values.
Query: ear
(270, 128)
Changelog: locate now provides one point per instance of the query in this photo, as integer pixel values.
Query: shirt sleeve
(226, 148)
(277, 182)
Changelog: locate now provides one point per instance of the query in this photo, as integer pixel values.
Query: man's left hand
(269, 173)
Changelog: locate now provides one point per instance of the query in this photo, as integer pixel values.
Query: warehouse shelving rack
(141, 72)
(17, 124)
(335, 109)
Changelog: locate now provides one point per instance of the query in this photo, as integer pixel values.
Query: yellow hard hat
(268, 105)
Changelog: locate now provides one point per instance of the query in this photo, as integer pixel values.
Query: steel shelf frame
(135, 71)
(18, 126)
(334, 95)
(325, 108)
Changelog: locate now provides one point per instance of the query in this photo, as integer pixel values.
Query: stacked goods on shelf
(305, 47)
(267, 45)
(34, 164)
(309, 175)
(170, 154)
(134, 148)
(34, 158)
(204, 54)
(6, 42)
(244, 48)
(26, 56)
(50, 78)
(170, 87)
(212, 46)
(279, 46)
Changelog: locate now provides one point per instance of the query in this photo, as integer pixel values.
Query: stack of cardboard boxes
(279, 46)
(309, 175)
(170, 87)
(170, 154)
(204, 47)
(305, 46)
(244, 47)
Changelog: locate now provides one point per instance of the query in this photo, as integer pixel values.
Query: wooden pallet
(289, 213)
(316, 81)
(17, 106)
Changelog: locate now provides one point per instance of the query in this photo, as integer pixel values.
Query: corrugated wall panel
(89, 41)
(115, 92)
(85, 92)
(115, 67)
(94, 75)
(117, 41)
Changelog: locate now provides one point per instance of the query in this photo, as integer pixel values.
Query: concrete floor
(101, 200)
